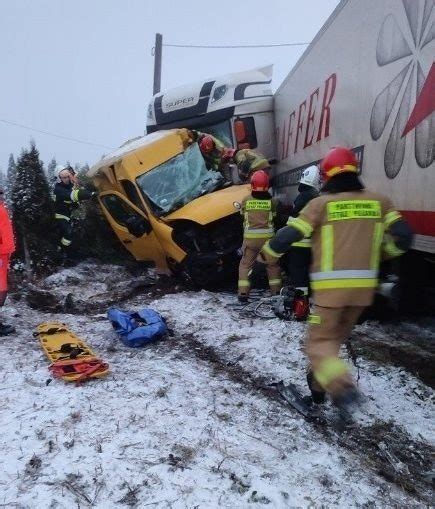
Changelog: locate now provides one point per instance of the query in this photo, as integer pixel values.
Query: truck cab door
(133, 228)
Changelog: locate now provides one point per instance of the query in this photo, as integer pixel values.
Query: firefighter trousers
(298, 261)
(65, 233)
(328, 329)
(250, 251)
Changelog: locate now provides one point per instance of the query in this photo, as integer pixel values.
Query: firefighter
(298, 258)
(7, 247)
(351, 228)
(258, 210)
(211, 149)
(246, 160)
(66, 196)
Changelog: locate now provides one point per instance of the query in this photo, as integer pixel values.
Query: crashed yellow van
(166, 207)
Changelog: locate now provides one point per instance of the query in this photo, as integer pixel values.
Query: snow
(168, 429)
(275, 349)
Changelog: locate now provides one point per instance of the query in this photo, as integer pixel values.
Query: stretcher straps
(53, 330)
(83, 367)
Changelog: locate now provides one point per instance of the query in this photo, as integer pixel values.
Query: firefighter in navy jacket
(66, 196)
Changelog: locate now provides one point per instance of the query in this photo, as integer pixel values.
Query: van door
(133, 228)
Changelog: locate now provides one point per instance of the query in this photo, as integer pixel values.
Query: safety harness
(84, 367)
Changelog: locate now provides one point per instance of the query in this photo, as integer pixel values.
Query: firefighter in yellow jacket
(351, 228)
(258, 211)
(247, 161)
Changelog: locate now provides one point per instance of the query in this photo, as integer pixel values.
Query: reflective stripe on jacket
(305, 242)
(258, 218)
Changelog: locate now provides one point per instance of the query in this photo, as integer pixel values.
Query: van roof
(128, 148)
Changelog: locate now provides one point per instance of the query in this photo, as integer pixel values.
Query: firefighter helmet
(206, 144)
(60, 168)
(260, 181)
(310, 176)
(338, 160)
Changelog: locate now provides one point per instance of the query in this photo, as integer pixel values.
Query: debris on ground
(195, 421)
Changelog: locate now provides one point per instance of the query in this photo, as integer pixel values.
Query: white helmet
(60, 168)
(311, 176)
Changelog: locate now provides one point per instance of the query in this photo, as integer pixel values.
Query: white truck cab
(236, 108)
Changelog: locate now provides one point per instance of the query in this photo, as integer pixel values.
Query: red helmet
(338, 160)
(228, 154)
(206, 144)
(260, 181)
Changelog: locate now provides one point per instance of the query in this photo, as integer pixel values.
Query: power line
(237, 46)
(54, 134)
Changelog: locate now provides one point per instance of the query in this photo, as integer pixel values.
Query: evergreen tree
(10, 179)
(51, 172)
(32, 211)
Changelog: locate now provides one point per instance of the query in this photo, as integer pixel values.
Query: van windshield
(178, 181)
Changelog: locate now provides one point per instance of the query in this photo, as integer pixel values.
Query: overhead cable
(236, 45)
(54, 134)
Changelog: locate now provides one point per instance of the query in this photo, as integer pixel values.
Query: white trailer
(367, 81)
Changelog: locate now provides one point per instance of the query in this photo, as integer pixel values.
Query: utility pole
(157, 63)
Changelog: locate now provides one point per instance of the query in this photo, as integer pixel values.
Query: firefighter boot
(346, 402)
(317, 395)
(301, 306)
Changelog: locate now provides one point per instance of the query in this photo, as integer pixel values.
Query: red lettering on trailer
(290, 130)
(283, 139)
(310, 120)
(314, 124)
(325, 117)
(300, 123)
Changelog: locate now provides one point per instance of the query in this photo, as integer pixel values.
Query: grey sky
(83, 68)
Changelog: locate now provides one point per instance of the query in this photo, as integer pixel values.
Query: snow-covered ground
(166, 428)
(273, 348)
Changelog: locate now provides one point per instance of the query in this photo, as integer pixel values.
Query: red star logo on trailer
(425, 104)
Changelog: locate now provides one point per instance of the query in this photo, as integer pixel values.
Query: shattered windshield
(177, 182)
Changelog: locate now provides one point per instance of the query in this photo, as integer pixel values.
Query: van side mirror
(137, 226)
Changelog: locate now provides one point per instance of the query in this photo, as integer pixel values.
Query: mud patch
(416, 357)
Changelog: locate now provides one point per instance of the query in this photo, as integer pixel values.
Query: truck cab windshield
(180, 180)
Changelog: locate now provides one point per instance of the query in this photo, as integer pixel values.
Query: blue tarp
(137, 328)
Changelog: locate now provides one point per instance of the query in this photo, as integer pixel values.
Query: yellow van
(166, 207)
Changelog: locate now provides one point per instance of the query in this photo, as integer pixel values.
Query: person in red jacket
(7, 247)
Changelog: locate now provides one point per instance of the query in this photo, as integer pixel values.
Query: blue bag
(137, 328)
